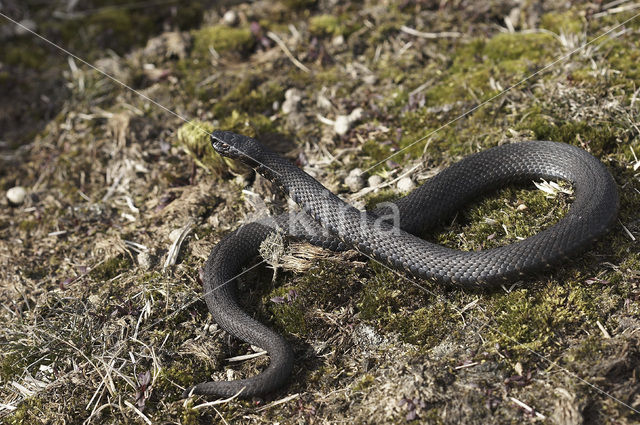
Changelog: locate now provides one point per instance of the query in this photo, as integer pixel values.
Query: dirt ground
(100, 287)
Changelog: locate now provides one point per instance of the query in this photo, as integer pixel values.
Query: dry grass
(101, 297)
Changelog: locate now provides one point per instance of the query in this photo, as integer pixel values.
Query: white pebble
(174, 235)
(144, 260)
(405, 184)
(16, 195)
(356, 115)
(292, 98)
(26, 25)
(354, 180)
(341, 125)
(230, 17)
(374, 181)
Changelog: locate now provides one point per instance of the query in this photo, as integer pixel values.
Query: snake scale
(329, 222)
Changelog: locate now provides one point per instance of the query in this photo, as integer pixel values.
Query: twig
(603, 330)
(286, 51)
(246, 357)
(527, 408)
(138, 412)
(430, 35)
(215, 403)
(172, 255)
(278, 402)
(617, 10)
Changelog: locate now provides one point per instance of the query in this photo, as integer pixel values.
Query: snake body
(329, 222)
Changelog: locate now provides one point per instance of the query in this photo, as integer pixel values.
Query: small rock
(341, 125)
(174, 235)
(323, 102)
(292, 98)
(144, 260)
(230, 17)
(370, 79)
(296, 120)
(356, 115)
(16, 195)
(354, 180)
(374, 181)
(405, 184)
(338, 40)
(26, 25)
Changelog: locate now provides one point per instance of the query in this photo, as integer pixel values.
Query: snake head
(236, 146)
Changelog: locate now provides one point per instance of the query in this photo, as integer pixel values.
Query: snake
(327, 221)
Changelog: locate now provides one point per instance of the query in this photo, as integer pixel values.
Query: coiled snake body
(329, 222)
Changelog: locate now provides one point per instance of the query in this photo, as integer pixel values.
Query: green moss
(504, 57)
(532, 320)
(396, 306)
(27, 225)
(290, 314)
(249, 125)
(565, 22)
(503, 218)
(28, 411)
(250, 96)
(365, 382)
(22, 54)
(111, 268)
(194, 137)
(374, 151)
(299, 4)
(599, 137)
(623, 56)
(223, 39)
(385, 195)
(325, 25)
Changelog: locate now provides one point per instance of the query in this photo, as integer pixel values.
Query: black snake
(329, 222)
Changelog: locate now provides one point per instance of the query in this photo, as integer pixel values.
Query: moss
(249, 125)
(502, 218)
(299, 4)
(506, 49)
(504, 57)
(28, 411)
(223, 39)
(396, 306)
(289, 314)
(325, 25)
(111, 268)
(385, 195)
(21, 54)
(598, 137)
(623, 56)
(374, 151)
(11, 365)
(194, 137)
(365, 382)
(531, 320)
(250, 96)
(565, 22)
(28, 225)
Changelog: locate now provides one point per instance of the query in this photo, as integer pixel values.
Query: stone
(16, 195)
(405, 184)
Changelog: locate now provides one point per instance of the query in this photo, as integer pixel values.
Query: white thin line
(486, 324)
(123, 84)
(501, 93)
